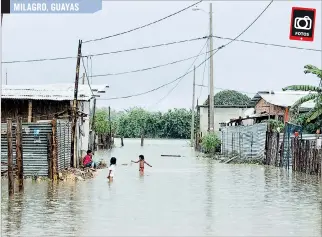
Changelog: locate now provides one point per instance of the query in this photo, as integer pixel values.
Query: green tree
(230, 97)
(171, 124)
(101, 124)
(315, 96)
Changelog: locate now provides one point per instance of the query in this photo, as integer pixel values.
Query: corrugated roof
(58, 92)
(282, 98)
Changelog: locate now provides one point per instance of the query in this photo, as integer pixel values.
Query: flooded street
(185, 196)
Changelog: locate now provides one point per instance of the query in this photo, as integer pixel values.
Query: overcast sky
(241, 66)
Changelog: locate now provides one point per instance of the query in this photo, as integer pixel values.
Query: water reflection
(179, 196)
(209, 207)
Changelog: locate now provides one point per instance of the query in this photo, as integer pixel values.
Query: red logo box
(302, 24)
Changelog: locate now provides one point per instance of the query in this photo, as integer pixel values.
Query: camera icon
(303, 23)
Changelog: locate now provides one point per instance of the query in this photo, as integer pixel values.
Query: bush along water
(210, 143)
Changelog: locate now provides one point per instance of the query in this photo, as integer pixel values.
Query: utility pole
(6, 77)
(211, 81)
(75, 109)
(193, 108)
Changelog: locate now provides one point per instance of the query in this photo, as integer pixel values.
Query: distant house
(223, 113)
(275, 105)
(43, 102)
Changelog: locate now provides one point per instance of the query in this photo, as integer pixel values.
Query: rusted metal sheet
(34, 146)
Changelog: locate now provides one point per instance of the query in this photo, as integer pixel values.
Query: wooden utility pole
(19, 154)
(193, 108)
(75, 109)
(29, 111)
(10, 158)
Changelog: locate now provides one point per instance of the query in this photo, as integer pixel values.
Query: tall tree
(230, 97)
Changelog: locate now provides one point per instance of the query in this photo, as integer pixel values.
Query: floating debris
(171, 155)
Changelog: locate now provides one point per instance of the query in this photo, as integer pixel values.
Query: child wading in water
(141, 162)
(111, 169)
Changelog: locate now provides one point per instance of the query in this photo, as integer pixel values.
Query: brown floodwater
(183, 196)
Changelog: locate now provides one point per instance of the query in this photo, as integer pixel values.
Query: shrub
(210, 143)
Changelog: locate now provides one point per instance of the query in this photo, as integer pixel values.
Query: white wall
(221, 115)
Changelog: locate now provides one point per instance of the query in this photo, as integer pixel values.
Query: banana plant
(314, 95)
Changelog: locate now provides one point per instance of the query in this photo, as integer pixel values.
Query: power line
(143, 26)
(87, 77)
(38, 60)
(149, 47)
(159, 87)
(159, 45)
(112, 52)
(250, 25)
(203, 78)
(267, 44)
(217, 50)
(145, 69)
(169, 92)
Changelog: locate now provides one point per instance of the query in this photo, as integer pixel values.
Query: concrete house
(35, 103)
(223, 113)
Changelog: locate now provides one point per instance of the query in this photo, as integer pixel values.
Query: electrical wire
(145, 69)
(87, 77)
(149, 47)
(172, 89)
(216, 50)
(250, 25)
(203, 78)
(143, 26)
(161, 86)
(267, 44)
(112, 52)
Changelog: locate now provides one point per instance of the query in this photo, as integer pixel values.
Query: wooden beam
(10, 158)
(29, 111)
(286, 115)
(19, 153)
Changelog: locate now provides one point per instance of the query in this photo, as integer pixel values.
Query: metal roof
(57, 92)
(282, 98)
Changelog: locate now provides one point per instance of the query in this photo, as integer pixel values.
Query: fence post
(277, 148)
(266, 148)
(54, 150)
(19, 153)
(10, 157)
(50, 156)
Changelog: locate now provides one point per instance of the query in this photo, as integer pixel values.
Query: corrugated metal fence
(246, 141)
(34, 147)
(64, 137)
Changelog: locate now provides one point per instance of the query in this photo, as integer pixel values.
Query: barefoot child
(111, 169)
(141, 162)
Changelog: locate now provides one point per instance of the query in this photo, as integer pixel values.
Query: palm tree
(315, 96)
